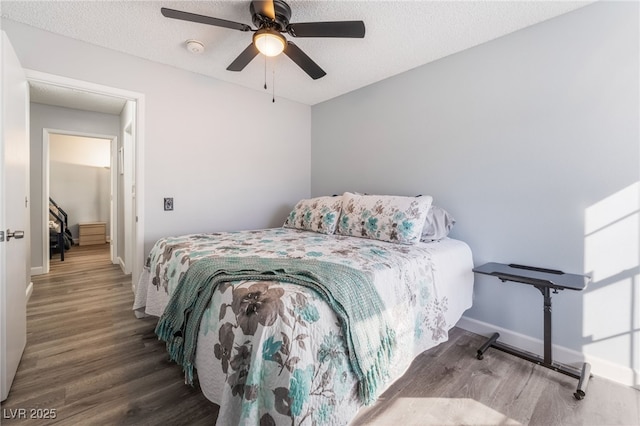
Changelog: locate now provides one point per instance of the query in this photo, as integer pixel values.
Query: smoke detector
(195, 46)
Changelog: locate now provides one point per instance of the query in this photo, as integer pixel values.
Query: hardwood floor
(92, 362)
(447, 385)
(89, 359)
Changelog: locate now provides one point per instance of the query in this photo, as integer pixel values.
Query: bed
(273, 352)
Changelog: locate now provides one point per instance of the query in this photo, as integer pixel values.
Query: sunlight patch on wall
(612, 257)
(80, 150)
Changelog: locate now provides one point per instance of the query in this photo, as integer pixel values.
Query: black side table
(545, 280)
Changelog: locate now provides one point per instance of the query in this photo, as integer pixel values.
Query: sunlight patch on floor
(441, 411)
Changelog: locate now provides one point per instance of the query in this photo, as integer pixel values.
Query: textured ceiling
(400, 35)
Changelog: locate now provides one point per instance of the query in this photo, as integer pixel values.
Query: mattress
(284, 360)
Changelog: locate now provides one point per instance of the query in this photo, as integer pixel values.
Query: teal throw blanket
(350, 293)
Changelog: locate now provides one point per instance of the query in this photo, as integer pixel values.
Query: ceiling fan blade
(265, 7)
(192, 17)
(244, 58)
(347, 29)
(303, 61)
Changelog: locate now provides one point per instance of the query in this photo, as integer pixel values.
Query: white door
(14, 215)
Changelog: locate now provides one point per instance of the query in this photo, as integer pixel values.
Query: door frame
(46, 182)
(136, 156)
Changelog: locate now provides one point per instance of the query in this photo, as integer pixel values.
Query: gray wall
(53, 117)
(520, 139)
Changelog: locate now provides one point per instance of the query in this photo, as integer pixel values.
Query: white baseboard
(599, 367)
(37, 270)
(122, 265)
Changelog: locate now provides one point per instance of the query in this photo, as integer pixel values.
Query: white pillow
(318, 214)
(383, 217)
(437, 225)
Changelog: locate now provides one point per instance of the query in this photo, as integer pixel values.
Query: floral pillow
(384, 217)
(318, 214)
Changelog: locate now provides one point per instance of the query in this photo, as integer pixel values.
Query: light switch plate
(168, 204)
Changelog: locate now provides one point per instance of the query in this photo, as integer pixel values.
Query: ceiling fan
(271, 17)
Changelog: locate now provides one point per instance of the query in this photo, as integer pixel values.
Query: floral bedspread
(273, 353)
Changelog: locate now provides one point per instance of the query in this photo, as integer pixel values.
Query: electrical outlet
(168, 204)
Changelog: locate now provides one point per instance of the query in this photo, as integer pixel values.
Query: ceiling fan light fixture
(269, 42)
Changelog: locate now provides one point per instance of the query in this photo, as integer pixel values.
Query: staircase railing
(62, 218)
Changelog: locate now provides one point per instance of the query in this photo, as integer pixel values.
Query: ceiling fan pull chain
(273, 82)
(265, 72)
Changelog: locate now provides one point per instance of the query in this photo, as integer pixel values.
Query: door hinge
(1, 236)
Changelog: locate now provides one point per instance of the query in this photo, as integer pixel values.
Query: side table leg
(583, 381)
(487, 344)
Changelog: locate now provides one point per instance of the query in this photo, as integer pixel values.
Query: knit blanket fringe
(370, 339)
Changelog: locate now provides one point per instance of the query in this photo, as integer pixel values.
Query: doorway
(81, 176)
(129, 251)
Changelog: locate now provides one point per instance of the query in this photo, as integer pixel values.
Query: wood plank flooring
(89, 359)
